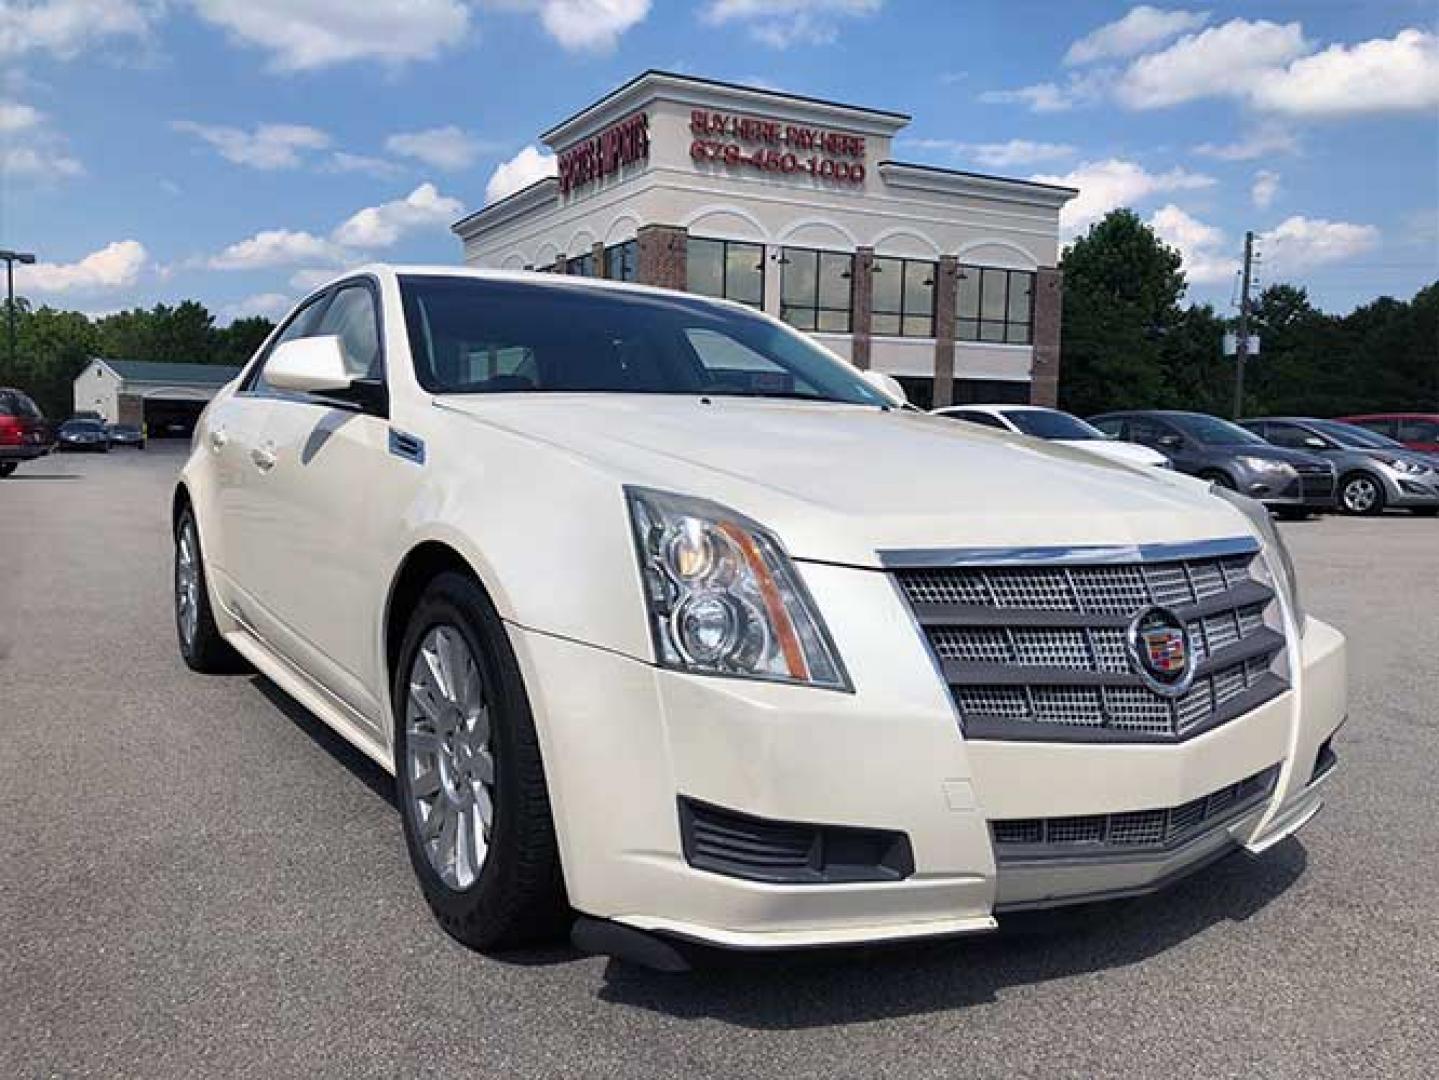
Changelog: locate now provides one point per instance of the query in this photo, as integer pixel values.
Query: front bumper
(1411, 491)
(1314, 491)
(623, 741)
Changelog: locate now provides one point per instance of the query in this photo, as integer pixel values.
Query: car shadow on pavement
(360, 766)
(799, 990)
(40, 476)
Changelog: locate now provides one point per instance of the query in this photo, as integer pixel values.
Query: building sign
(772, 146)
(618, 145)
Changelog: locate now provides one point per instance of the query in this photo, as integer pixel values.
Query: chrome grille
(1133, 832)
(1039, 650)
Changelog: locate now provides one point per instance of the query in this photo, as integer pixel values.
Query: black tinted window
(982, 419)
(470, 336)
(14, 403)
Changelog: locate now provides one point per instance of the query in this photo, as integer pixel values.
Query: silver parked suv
(1290, 482)
(1374, 472)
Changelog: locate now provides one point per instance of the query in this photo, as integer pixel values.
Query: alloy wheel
(449, 759)
(187, 583)
(1360, 495)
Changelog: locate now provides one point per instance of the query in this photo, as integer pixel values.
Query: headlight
(1266, 465)
(724, 598)
(1276, 554)
(1409, 468)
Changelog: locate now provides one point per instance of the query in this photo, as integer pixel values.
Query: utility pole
(1241, 345)
(11, 258)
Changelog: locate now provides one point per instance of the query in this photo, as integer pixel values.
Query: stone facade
(663, 256)
(863, 315)
(945, 286)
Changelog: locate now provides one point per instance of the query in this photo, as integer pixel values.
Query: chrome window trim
(1093, 555)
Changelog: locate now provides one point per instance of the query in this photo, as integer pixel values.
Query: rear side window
(1418, 430)
(1112, 426)
(982, 419)
(14, 403)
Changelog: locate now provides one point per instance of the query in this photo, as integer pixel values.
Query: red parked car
(1416, 430)
(24, 435)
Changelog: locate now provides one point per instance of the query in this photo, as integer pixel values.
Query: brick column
(560, 260)
(1048, 303)
(597, 256)
(862, 319)
(663, 256)
(944, 306)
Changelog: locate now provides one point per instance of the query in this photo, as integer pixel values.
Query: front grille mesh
(1057, 635)
(1132, 832)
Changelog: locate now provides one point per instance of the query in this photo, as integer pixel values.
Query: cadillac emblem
(1159, 651)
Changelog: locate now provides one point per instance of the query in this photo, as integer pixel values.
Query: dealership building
(945, 279)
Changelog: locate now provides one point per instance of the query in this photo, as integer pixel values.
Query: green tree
(236, 343)
(1122, 287)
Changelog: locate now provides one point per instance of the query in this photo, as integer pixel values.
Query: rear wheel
(1362, 494)
(470, 780)
(201, 645)
(6, 468)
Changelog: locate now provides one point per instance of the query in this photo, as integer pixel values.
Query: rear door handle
(263, 457)
(218, 438)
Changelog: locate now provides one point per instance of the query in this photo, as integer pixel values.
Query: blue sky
(234, 150)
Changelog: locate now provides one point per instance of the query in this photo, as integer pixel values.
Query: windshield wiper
(783, 395)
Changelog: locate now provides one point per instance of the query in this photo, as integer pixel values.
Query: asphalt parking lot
(196, 878)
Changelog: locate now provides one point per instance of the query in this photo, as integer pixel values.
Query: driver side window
(351, 317)
(1295, 438)
(1151, 433)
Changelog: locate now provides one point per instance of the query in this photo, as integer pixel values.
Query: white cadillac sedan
(662, 615)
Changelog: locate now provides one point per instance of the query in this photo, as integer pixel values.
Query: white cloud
(591, 24)
(306, 34)
(30, 149)
(1104, 185)
(383, 225)
(1298, 243)
(522, 170)
(1264, 188)
(1015, 152)
(271, 305)
(783, 23)
(1382, 75)
(1081, 88)
(268, 146)
(1201, 246)
(278, 247)
(443, 147)
(342, 161)
(1228, 59)
(65, 28)
(17, 117)
(112, 267)
(1140, 30)
(1265, 141)
(311, 278)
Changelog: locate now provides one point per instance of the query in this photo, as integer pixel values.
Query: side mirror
(887, 385)
(313, 365)
(1314, 442)
(1170, 442)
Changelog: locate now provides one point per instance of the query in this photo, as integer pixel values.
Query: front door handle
(218, 438)
(263, 457)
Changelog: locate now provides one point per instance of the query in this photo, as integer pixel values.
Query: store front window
(904, 297)
(622, 261)
(817, 289)
(994, 305)
(728, 269)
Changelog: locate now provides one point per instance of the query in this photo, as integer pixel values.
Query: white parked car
(1057, 426)
(663, 615)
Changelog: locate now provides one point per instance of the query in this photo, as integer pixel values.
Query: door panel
(332, 490)
(233, 429)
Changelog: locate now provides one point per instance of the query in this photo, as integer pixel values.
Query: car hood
(841, 483)
(1269, 453)
(1131, 453)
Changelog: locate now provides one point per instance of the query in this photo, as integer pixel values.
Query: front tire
(470, 779)
(201, 646)
(1361, 495)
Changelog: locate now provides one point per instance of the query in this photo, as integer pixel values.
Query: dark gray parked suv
(1288, 481)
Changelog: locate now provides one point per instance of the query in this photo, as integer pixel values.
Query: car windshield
(1213, 431)
(1355, 437)
(1052, 424)
(83, 425)
(476, 336)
